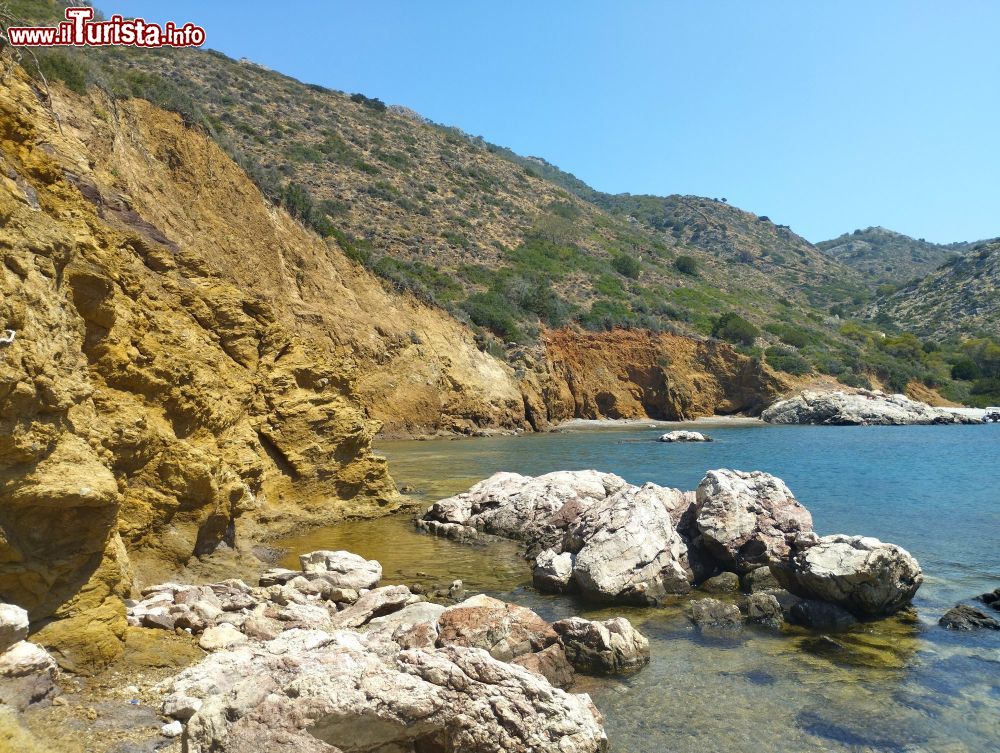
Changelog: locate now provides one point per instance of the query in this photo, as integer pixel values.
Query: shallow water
(896, 685)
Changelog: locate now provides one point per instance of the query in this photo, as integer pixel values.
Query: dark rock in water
(991, 599)
(845, 732)
(721, 584)
(609, 647)
(761, 579)
(764, 609)
(964, 617)
(715, 615)
(820, 615)
(760, 677)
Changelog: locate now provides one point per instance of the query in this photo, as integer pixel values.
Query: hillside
(885, 256)
(961, 297)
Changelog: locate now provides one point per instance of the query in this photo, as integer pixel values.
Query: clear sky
(826, 116)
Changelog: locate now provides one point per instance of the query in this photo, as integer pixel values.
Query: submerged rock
(821, 615)
(684, 436)
(964, 617)
(714, 615)
(746, 520)
(861, 408)
(991, 599)
(609, 647)
(308, 690)
(863, 575)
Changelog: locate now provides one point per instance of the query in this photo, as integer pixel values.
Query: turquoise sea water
(901, 685)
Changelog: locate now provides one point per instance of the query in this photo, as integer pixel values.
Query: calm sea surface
(897, 685)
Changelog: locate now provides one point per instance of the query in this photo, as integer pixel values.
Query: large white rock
(747, 520)
(862, 408)
(307, 690)
(342, 569)
(684, 436)
(863, 575)
(626, 549)
(13, 625)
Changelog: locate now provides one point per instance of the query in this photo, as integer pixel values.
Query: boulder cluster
(609, 541)
(861, 408)
(325, 656)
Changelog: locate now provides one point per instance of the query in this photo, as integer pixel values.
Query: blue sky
(826, 116)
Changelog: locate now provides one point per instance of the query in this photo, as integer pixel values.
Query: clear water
(897, 685)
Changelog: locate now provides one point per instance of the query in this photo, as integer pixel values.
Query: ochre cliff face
(641, 374)
(153, 412)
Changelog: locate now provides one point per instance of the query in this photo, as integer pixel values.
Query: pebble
(172, 729)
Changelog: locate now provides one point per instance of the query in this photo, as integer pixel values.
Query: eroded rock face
(714, 616)
(862, 408)
(150, 405)
(13, 625)
(609, 647)
(747, 520)
(316, 691)
(863, 575)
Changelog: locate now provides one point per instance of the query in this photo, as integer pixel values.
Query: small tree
(686, 265)
(626, 266)
(735, 329)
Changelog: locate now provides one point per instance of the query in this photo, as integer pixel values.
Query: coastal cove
(894, 685)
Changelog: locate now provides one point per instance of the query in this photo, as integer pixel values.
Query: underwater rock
(964, 617)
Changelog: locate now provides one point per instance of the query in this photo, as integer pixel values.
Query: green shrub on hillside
(493, 312)
(966, 369)
(686, 265)
(788, 360)
(735, 329)
(626, 266)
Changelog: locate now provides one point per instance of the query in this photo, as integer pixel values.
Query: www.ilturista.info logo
(79, 30)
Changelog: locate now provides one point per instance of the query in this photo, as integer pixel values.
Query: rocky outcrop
(641, 374)
(747, 520)
(863, 575)
(991, 598)
(613, 542)
(861, 408)
(341, 691)
(684, 436)
(609, 647)
(964, 617)
(603, 537)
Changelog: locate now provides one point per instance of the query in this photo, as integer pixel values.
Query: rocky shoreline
(864, 408)
(611, 542)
